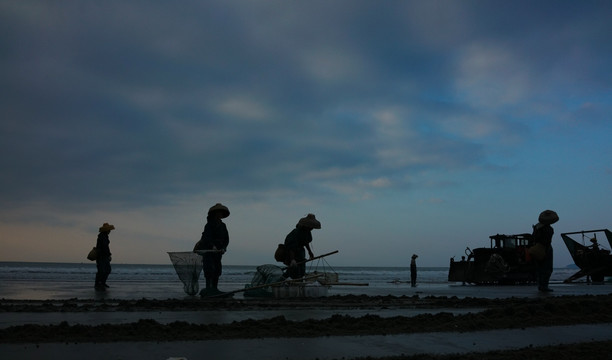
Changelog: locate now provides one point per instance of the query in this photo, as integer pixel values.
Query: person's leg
(212, 271)
(103, 266)
(301, 270)
(291, 272)
(107, 271)
(547, 269)
(544, 271)
(540, 275)
(208, 269)
(98, 284)
(218, 271)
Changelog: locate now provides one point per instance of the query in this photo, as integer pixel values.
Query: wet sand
(128, 290)
(406, 321)
(538, 343)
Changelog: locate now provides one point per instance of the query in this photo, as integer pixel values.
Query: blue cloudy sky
(405, 126)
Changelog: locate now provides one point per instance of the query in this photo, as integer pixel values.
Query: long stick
(347, 283)
(315, 258)
(202, 252)
(320, 256)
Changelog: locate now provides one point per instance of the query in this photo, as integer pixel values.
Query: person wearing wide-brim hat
(214, 240)
(297, 243)
(542, 236)
(103, 257)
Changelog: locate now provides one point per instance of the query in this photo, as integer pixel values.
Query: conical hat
(548, 217)
(309, 221)
(107, 227)
(219, 207)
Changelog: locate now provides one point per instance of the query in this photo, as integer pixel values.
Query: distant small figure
(595, 245)
(413, 270)
(297, 242)
(103, 258)
(463, 259)
(213, 242)
(542, 234)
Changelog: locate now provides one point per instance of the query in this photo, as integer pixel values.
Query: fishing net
(188, 266)
(266, 274)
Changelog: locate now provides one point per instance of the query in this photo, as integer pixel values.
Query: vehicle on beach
(505, 262)
(594, 261)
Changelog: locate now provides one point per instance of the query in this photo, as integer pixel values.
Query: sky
(404, 126)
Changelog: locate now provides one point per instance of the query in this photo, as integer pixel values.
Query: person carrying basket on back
(542, 235)
(297, 243)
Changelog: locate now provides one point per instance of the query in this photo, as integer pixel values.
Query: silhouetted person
(297, 242)
(103, 258)
(463, 259)
(595, 244)
(214, 240)
(542, 234)
(413, 270)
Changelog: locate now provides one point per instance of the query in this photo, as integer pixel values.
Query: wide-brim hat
(548, 217)
(107, 227)
(310, 222)
(219, 207)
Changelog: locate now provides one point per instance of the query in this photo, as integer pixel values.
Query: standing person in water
(103, 258)
(413, 270)
(214, 241)
(297, 242)
(542, 234)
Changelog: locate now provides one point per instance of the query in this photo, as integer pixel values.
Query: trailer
(594, 260)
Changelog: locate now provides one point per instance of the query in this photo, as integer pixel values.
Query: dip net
(188, 266)
(265, 274)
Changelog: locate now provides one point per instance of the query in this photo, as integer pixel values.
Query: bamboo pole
(314, 258)
(202, 252)
(346, 283)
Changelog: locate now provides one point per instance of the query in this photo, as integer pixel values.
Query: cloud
(243, 108)
(490, 76)
(342, 107)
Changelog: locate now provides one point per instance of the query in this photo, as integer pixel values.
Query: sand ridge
(510, 313)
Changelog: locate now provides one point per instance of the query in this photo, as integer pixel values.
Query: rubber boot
(208, 290)
(214, 285)
(217, 292)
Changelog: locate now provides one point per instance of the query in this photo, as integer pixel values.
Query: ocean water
(233, 275)
(61, 281)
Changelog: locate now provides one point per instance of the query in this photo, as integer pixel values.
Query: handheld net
(266, 274)
(188, 266)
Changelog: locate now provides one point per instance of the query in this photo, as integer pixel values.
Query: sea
(42, 280)
(232, 274)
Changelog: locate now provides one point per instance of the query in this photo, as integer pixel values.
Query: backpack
(281, 254)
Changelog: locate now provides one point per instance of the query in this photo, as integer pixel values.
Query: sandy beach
(403, 322)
